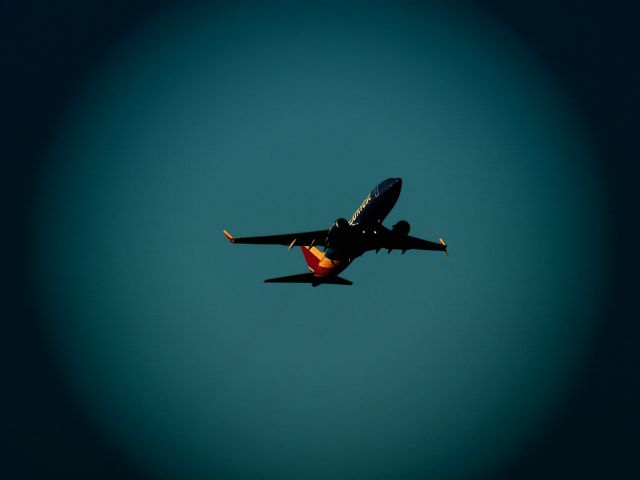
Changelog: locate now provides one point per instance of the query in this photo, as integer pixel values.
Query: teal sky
(268, 121)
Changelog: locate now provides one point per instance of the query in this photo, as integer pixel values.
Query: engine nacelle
(338, 231)
(401, 228)
(341, 224)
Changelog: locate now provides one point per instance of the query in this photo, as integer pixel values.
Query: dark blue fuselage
(377, 205)
(367, 219)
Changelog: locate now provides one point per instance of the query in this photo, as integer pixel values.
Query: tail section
(312, 256)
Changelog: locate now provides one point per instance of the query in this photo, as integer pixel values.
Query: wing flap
(396, 242)
(414, 243)
(317, 237)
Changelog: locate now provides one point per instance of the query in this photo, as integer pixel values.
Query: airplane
(344, 241)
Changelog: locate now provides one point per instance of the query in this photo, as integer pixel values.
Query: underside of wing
(412, 243)
(318, 237)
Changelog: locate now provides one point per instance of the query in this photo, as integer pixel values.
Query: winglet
(442, 242)
(228, 235)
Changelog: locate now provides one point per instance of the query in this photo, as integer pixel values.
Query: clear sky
(267, 121)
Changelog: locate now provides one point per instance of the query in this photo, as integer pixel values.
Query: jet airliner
(346, 240)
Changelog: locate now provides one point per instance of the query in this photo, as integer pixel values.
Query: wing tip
(444, 244)
(229, 236)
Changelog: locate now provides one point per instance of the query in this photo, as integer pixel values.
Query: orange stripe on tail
(312, 256)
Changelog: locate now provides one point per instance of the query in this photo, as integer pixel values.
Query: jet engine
(338, 232)
(401, 229)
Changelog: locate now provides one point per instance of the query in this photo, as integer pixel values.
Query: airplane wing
(318, 238)
(412, 243)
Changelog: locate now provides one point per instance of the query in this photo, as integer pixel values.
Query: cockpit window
(386, 184)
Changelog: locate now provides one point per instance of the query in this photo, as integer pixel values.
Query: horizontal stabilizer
(337, 281)
(309, 278)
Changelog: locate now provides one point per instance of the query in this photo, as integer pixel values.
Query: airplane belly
(330, 266)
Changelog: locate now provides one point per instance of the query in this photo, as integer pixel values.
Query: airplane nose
(390, 185)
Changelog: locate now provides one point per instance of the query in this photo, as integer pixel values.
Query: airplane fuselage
(366, 224)
(346, 240)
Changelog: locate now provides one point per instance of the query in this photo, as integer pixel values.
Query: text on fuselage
(360, 208)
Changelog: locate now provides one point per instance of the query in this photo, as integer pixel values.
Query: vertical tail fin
(312, 256)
